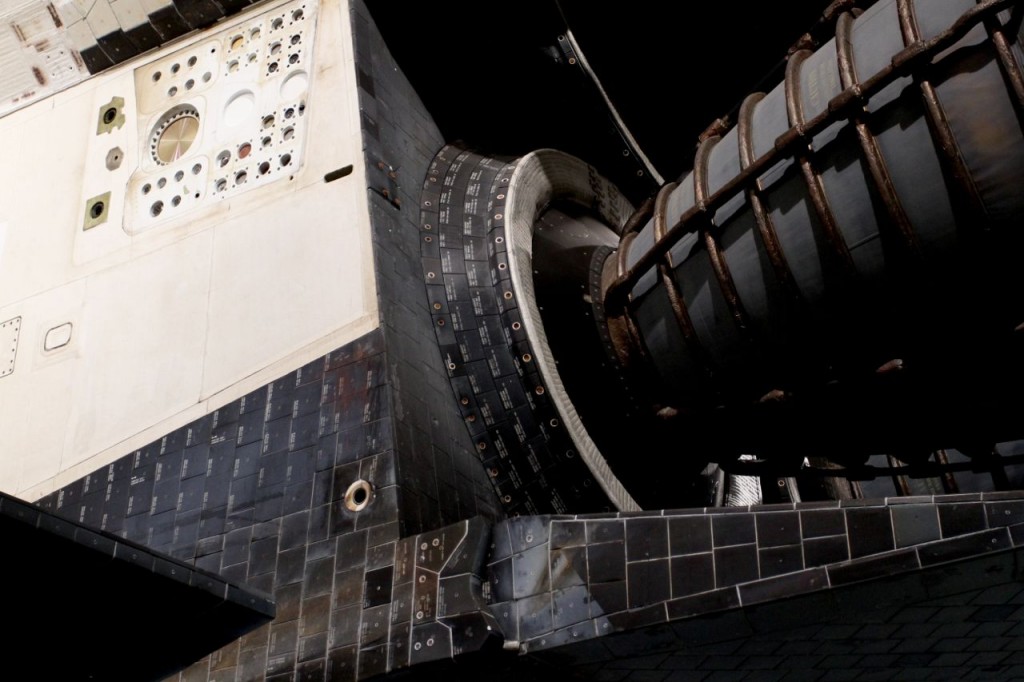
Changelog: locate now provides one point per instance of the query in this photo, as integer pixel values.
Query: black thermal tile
(735, 564)
(500, 577)
(868, 568)
(430, 642)
(425, 587)
(606, 562)
(779, 560)
(568, 567)
(692, 574)
(689, 534)
(775, 529)
(707, 602)
(964, 546)
(315, 615)
(783, 586)
(870, 530)
(605, 531)
(913, 524)
(648, 582)
(646, 538)
(827, 550)
(290, 566)
(377, 587)
(535, 617)
(732, 529)
(821, 523)
(959, 519)
(530, 570)
(318, 577)
(1004, 513)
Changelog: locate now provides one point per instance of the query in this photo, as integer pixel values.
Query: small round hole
(244, 149)
(109, 115)
(97, 209)
(197, 169)
(359, 495)
(207, 76)
(179, 176)
(176, 200)
(175, 68)
(147, 188)
(161, 183)
(189, 84)
(286, 159)
(156, 209)
(156, 76)
(192, 61)
(172, 91)
(264, 168)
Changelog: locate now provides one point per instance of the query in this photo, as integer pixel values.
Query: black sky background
(493, 75)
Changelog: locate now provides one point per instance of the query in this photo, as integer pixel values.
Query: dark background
(494, 77)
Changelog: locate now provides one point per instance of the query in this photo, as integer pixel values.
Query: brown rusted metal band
(765, 227)
(620, 256)
(878, 171)
(640, 217)
(1011, 70)
(719, 266)
(812, 178)
(668, 282)
(966, 194)
(840, 107)
(949, 484)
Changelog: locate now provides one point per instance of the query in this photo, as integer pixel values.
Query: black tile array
(478, 325)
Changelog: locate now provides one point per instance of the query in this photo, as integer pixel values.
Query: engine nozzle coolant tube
(841, 262)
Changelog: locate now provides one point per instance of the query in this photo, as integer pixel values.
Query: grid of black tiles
(440, 477)
(165, 21)
(477, 320)
(634, 570)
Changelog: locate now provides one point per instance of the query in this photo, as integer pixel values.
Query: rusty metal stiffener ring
(796, 141)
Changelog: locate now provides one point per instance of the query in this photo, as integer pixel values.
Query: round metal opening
(359, 495)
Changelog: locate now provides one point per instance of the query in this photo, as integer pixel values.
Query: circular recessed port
(275, 48)
(268, 121)
(156, 76)
(264, 168)
(161, 183)
(192, 61)
(179, 176)
(197, 169)
(172, 91)
(254, 34)
(252, 57)
(97, 210)
(240, 177)
(239, 106)
(295, 39)
(156, 209)
(297, 15)
(233, 66)
(272, 67)
(147, 188)
(223, 158)
(109, 115)
(286, 159)
(244, 150)
(359, 495)
(175, 68)
(174, 134)
(207, 76)
(289, 112)
(189, 84)
(221, 185)
(266, 141)
(176, 200)
(293, 59)
(276, 23)
(236, 43)
(288, 133)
